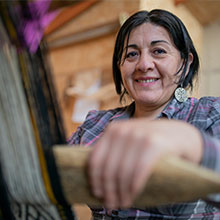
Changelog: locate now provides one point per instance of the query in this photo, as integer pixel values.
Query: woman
(154, 62)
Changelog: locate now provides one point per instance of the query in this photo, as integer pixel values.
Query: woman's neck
(150, 112)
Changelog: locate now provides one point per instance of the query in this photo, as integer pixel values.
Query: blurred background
(81, 40)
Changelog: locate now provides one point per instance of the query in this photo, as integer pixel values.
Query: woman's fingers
(96, 160)
(127, 168)
(123, 159)
(110, 171)
(103, 165)
(112, 164)
(143, 170)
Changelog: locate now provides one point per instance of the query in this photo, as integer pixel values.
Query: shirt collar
(173, 107)
(170, 109)
(126, 112)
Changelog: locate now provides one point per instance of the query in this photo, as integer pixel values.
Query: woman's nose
(145, 63)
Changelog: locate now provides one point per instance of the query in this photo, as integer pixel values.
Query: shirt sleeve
(75, 137)
(211, 138)
(90, 120)
(211, 160)
(211, 152)
(211, 143)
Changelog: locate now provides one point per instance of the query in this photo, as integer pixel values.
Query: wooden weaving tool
(173, 179)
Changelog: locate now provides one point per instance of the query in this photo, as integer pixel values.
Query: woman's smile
(146, 81)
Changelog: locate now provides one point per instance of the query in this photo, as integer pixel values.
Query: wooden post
(173, 180)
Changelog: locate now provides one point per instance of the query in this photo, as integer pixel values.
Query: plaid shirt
(203, 114)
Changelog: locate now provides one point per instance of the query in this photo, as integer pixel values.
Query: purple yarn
(31, 29)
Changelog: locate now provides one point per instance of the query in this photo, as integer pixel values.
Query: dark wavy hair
(178, 33)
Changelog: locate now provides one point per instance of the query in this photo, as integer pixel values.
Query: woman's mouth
(146, 80)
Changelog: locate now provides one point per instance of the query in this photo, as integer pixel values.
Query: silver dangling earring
(181, 94)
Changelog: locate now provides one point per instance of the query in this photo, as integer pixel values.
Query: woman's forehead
(149, 32)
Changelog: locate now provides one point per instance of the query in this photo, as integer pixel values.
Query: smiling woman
(151, 67)
(154, 62)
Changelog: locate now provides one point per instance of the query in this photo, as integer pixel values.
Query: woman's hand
(122, 160)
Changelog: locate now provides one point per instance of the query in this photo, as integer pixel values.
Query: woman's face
(150, 66)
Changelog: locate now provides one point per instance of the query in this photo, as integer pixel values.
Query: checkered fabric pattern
(202, 113)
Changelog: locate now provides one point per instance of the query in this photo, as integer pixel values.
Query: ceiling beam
(68, 14)
(179, 1)
(206, 11)
(57, 4)
(85, 35)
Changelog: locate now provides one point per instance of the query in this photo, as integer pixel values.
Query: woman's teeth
(146, 81)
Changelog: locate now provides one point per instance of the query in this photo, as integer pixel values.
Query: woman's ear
(190, 60)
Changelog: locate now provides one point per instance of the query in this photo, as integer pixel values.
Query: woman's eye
(159, 51)
(131, 54)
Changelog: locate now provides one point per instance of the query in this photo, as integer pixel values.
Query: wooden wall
(210, 64)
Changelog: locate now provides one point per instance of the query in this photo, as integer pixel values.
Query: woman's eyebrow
(158, 41)
(152, 44)
(131, 45)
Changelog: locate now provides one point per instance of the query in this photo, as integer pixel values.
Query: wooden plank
(205, 11)
(68, 14)
(84, 35)
(179, 1)
(173, 179)
(57, 4)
